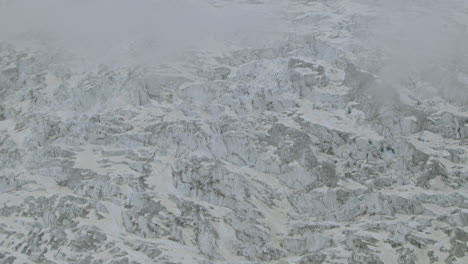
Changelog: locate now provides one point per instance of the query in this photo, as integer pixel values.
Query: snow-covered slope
(337, 136)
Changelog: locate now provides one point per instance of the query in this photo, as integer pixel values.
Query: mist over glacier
(427, 39)
(142, 31)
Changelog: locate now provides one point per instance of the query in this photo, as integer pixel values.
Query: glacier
(338, 133)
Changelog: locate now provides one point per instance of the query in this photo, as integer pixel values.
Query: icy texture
(299, 152)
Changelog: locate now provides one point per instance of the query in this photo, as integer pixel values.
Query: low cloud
(134, 29)
(425, 40)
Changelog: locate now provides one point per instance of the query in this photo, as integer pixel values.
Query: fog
(416, 39)
(425, 40)
(123, 30)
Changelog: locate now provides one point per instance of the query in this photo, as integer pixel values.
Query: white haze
(129, 30)
(424, 39)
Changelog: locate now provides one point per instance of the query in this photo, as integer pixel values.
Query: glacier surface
(333, 131)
